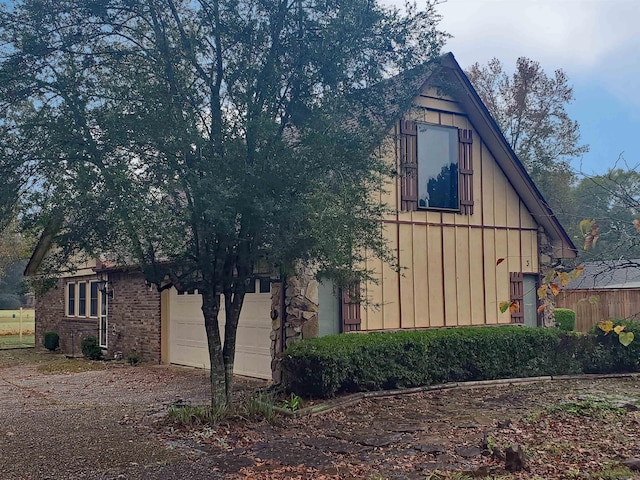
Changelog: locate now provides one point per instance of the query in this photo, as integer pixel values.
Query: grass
(13, 341)
(254, 409)
(586, 408)
(69, 365)
(10, 321)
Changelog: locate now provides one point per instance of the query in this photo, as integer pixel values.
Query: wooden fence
(592, 306)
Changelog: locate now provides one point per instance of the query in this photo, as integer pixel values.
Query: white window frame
(103, 320)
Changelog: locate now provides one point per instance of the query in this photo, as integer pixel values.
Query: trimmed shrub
(565, 319)
(51, 341)
(324, 367)
(90, 348)
(609, 355)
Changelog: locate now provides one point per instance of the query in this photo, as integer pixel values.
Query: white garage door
(188, 339)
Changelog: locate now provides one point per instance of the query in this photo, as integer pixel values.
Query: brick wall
(50, 317)
(133, 316)
(49, 311)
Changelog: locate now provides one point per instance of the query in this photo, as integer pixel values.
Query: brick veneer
(134, 318)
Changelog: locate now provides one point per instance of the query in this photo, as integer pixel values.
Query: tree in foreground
(198, 138)
(530, 109)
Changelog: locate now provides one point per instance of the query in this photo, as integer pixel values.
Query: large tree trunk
(210, 309)
(232, 313)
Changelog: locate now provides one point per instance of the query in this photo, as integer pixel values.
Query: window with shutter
(516, 287)
(408, 165)
(351, 318)
(436, 167)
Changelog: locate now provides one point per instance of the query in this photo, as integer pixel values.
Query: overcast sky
(594, 41)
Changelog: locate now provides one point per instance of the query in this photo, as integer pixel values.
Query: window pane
(93, 302)
(71, 299)
(251, 286)
(265, 285)
(82, 299)
(438, 167)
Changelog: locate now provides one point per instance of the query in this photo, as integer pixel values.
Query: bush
(565, 319)
(90, 348)
(326, 366)
(51, 341)
(134, 357)
(612, 355)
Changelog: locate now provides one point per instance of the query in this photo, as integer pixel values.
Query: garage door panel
(188, 341)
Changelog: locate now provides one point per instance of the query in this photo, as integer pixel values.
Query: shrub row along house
(469, 230)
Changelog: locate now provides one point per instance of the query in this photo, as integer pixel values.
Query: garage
(187, 340)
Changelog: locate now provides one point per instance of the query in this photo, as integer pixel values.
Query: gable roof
(467, 96)
(608, 274)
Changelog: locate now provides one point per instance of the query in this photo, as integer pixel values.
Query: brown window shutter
(351, 318)
(408, 165)
(465, 144)
(516, 288)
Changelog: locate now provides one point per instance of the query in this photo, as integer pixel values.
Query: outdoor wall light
(105, 286)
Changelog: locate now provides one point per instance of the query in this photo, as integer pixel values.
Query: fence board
(593, 306)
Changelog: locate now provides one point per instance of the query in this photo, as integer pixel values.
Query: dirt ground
(65, 419)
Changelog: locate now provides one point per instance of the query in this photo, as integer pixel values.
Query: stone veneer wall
(134, 318)
(300, 316)
(546, 261)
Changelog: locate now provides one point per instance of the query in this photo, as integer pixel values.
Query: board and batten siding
(450, 274)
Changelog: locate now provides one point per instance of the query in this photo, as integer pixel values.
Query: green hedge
(565, 319)
(326, 366)
(608, 355)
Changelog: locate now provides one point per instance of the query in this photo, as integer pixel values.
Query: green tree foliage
(530, 109)
(612, 202)
(14, 250)
(197, 138)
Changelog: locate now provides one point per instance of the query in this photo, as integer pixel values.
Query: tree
(609, 205)
(530, 109)
(14, 247)
(198, 138)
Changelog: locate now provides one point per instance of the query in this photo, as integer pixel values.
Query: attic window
(437, 167)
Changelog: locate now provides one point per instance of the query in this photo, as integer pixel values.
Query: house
(470, 230)
(606, 290)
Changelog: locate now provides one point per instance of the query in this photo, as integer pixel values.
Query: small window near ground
(438, 167)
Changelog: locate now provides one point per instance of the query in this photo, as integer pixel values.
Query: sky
(594, 41)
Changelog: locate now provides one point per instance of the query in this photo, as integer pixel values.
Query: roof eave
(508, 161)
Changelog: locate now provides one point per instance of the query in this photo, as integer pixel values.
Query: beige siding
(449, 273)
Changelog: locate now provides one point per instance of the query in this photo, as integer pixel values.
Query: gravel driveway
(108, 421)
(94, 424)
